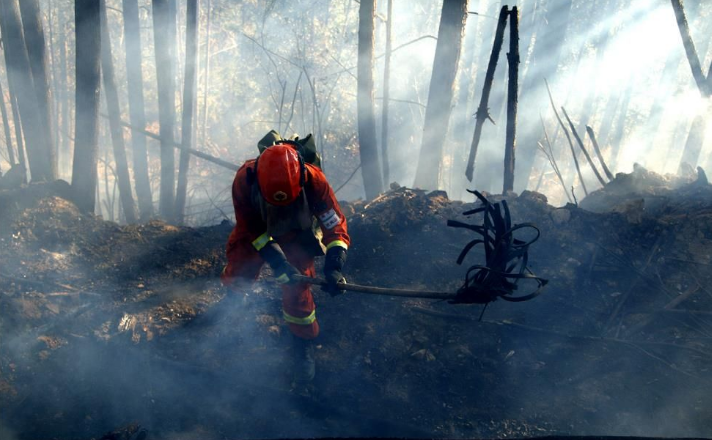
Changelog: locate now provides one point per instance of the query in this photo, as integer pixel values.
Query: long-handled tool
(379, 290)
(506, 262)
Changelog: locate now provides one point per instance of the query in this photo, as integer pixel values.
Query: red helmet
(280, 174)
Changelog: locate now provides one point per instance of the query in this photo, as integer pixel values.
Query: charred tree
(442, 84)
(114, 110)
(386, 94)
(512, 93)
(87, 16)
(164, 32)
(696, 136)
(568, 138)
(692, 58)
(597, 149)
(39, 151)
(191, 62)
(579, 141)
(483, 109)
(368, 147)
(37, 55)
(137, 113)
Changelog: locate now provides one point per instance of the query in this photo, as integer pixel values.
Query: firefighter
(277, 198)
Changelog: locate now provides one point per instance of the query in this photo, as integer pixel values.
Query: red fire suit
(252, 232)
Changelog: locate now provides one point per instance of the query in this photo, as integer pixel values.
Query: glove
(333, 265)
(283, 270)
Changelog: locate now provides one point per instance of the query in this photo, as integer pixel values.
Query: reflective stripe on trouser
(298, 306)
(297, 301)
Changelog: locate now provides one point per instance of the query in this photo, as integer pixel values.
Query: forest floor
(125, 332)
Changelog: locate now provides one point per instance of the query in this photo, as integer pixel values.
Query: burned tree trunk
(483, 109)
(117, 135)
(39, 151)
(512, 92)
(368, 147)
(386, 95)
(191, 61)
(442, 83)
(137, 115)
(88, 54)
(692, 58)
(591, 135)
(583, 149)
(696, 136)
(37, 56)
(164, 31)
(568, 138)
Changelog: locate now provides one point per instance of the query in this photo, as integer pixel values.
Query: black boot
(303, 367)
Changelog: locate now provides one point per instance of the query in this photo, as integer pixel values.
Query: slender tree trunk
(137, 115)
(191, 62)
(368, 149)
(63, 157)
(597, 149)
(88, 53)
(206, 72)
(483, 109)
(579, 141)
(37, 55)
(6, 127)
(19, 140)
(114, 110)
(512, 93)
(39, 151)
(442, 85)
(690, 51)
(386, 95)
(164, 25)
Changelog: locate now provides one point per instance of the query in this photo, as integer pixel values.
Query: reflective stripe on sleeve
(339, 243)
(261, 241)
(308, 320)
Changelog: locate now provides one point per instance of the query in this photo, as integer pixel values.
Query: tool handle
(377, 290)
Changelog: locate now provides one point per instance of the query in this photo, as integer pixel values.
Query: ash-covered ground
(121, 332)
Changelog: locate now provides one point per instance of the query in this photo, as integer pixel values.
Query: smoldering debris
(106, 327)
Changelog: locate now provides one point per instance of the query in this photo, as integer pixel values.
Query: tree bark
(483, 110)
(442, 85)
(39, 152)
(368, 147)
(6, 127)
(191, 62)
(137, 113)
(164, 31)
(114, 110)
(37, 56)
(88, 53)
(386, 94)
(512, 93)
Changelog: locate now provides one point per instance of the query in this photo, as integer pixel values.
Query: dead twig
(568, 138)
(580, 144)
